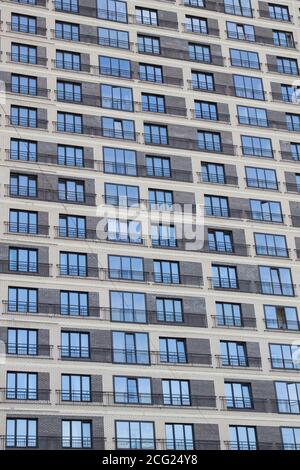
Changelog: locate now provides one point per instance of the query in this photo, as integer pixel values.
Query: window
(283, 39)
(233, 354)
(21, 386)
(266, 211)
(270, 245)
(176, 392)
(288, 93)
(276, 281)
(203, 81)
(67, 91)
(284, 356)
(23, 53)
(116, 97)
(288, 66)
(199, 53)
(23, 185)
(224, 277)
(163, 235)
(120, 161)
(153, 103)
(22, 116)
(23, 24)
(293, 122)
(71, 190)
(146, 16)
(248, 87)
(23, 260)
(135, 435)
(297, 178)
(206, 110)
(126, 268)
(179, 436)
(169, 310)
(132, 390)
(213, 173)
(25, 150)
(243, 32)
(238, 395)
(67, 31)
(172, 350)
(73, 264)
(23, 222)
(128, 307)
(243, 438)
(196, 25)
(69, 122)
(21, 432)
(281, 318)
(261, 178)
(67, 5)
(279, 12)
(157, 135)
(114, 67)
(160, 200)
(166, 272)
(148, 45)
(245, 59)
(158, 167)
(216, 206)
(72, 226)
(68, 60)
(121, 195)
(257, 146)
(130, 348)
(22, 300)
(295, 151)
(151, 73)
(290, 438)
(252, 116)
(23, 84)
(113, 38)
(220, 240)
(75, 387)
(75, 345)
(22, 342)
(76, 434)
(118, 128)
(195, 3)
(69, 155)
(238, 7)
(209, 141)
(288, 397)
(113, 10)
(228, 314)
(127, 231)
(74, 303)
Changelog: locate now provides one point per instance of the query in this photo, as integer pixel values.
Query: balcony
(134, 357)
(248, 405)
(231, 322)
(129, 400)
(214, 178)
(96, 132)
(282, 324)
(175, 280)
(238, 249)
(24, 122)
(123, 169)
(33, 92)
(252, 445)
(50, 443)
(34, 351)
(26, 59)
(25, 269)
(238, 362)
(44, 158)
(188, 144)
(51, 195)
(24, 395)
(252, 287)
(22, 29)
(161, 444)
(26, 229)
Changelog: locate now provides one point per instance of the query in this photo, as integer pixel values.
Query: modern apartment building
(117, 337)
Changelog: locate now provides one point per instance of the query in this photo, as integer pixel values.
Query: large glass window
(252, 116)
(75, 387)
(71, 191)
(23, 24)
(288, 397)
(68, 31)
(151, 73)
(24, 84)
(233, 354)
(290, 438)
(238, 7)
(68, 60)
(200, 53)
(74, 303)
(270, 245)
(135, 435)
(276, 281)
(21, 432)
(257, 146)
(179, 436)
(23, 222)
(243, 32)
(113, 38)
(132, 390)
(121, 195)
(284, 356)
(23, 260)
(166, 272)
(243, 438)
(68, 155)
(130, 348)
(224, 277)
(21, 386)
(118, 128)
(116, 97)
(21, 149)
(249, 87)
(73, 264)
(120, 161)
(261, 178)
(266, 211)
(22, 300)
(22, 342)
(172, 350)
(76, 434)
(114, 67)
(245, 59)
(75, 345)
(238, 395)
(148, 44)
(126, 268)
(23, 116)
(228, 314)
(169, 310)
(128, 307)
(72, 226)
(176, 392)
(112, 10)
(216, 206)
(282, 318)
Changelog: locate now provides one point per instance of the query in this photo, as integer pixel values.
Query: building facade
(114, 336)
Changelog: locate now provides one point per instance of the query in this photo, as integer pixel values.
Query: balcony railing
(35, 157)
(24, 395)
(27, 59)
(26, 29)
(31, 91)
(32, 442)
(239, 361)
(26, 229)
(24, 268)
(29, 350)
(252, 287)
(50, 195)
(134, 400)
(214, 178)
(134, 357)
(231, 322)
